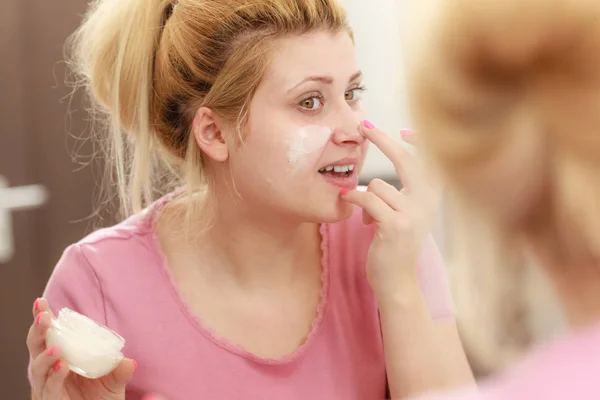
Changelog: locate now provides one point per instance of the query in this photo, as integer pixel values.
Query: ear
(207, 132)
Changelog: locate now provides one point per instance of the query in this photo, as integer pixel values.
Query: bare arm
(421, 354)
(403, 265)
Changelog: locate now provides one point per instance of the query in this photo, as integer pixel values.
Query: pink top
(566, 369)
(119, 277)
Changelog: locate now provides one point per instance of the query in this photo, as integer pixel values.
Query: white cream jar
(92, 350)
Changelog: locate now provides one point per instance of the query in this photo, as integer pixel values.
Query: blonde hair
(148, 65)
(506, 95)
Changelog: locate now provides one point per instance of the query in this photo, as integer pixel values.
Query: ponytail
(112, 55)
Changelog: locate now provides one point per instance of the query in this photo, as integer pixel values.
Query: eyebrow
(325, 79)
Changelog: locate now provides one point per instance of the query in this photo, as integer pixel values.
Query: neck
(574, 273)
(578, 288)
(260, 248)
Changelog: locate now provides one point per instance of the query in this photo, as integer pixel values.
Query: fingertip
(56, 376)
(408, 136)
(60, 369)
(128, 365)
(36, 305)
(367, 128)
(42, 321)
(152, 397)
(40, 305)
(368, 124)
(123, 373)
(64, 371)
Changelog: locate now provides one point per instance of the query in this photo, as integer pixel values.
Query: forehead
(321, 53)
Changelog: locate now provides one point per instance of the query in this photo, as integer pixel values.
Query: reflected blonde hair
(506, 95)
(148, 65)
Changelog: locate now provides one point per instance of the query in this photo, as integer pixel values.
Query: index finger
(40, 305)
(36, 337)
(393, 150)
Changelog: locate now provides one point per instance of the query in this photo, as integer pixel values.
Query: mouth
(343, 176)
(338, 170)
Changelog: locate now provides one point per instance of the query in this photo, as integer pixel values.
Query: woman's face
(302, 145)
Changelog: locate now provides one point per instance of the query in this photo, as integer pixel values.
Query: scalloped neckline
(152, 218)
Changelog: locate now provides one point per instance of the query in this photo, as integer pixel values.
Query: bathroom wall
(379, 49)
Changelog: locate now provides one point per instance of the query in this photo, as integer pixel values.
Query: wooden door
(36, 147)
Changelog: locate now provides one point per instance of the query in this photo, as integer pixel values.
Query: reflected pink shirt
(119, 277)
(566, 369)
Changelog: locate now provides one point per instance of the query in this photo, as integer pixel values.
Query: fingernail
(344, 191)
(36, 305)
(50, 351)
(57, 365)
(134, 365)
(38, 318)
(406, 132)
(368, 124)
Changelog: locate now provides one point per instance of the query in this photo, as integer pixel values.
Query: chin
(338, 211)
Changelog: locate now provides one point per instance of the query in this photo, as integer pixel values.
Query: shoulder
(111, 247)
(563, 369)
(122, 243)
(566, 368)
(104, 259)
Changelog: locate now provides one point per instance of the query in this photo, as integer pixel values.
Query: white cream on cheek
(305, 141)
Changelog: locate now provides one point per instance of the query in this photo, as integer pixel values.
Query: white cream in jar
(91, 349)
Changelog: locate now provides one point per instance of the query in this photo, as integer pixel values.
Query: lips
(341, 173)
(344, 180)
(338, 169)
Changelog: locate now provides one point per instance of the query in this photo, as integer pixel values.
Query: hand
(403, 218)
(51, 378)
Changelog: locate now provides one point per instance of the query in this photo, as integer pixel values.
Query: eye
(354, 94)
(311, 103)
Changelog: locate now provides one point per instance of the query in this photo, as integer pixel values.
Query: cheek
(359, 111)
(364, 148)
(304, 145)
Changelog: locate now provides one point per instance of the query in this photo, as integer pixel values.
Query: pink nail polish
(344, 191)
(368, 124)
(36, 305)
(57, 365)
(406, 132)
(38, 318)
(50, 351)
(135, 365)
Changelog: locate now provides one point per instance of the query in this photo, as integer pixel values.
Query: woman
(507, 96)
(257, 279)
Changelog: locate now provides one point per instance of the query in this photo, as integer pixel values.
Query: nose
(346, 128)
